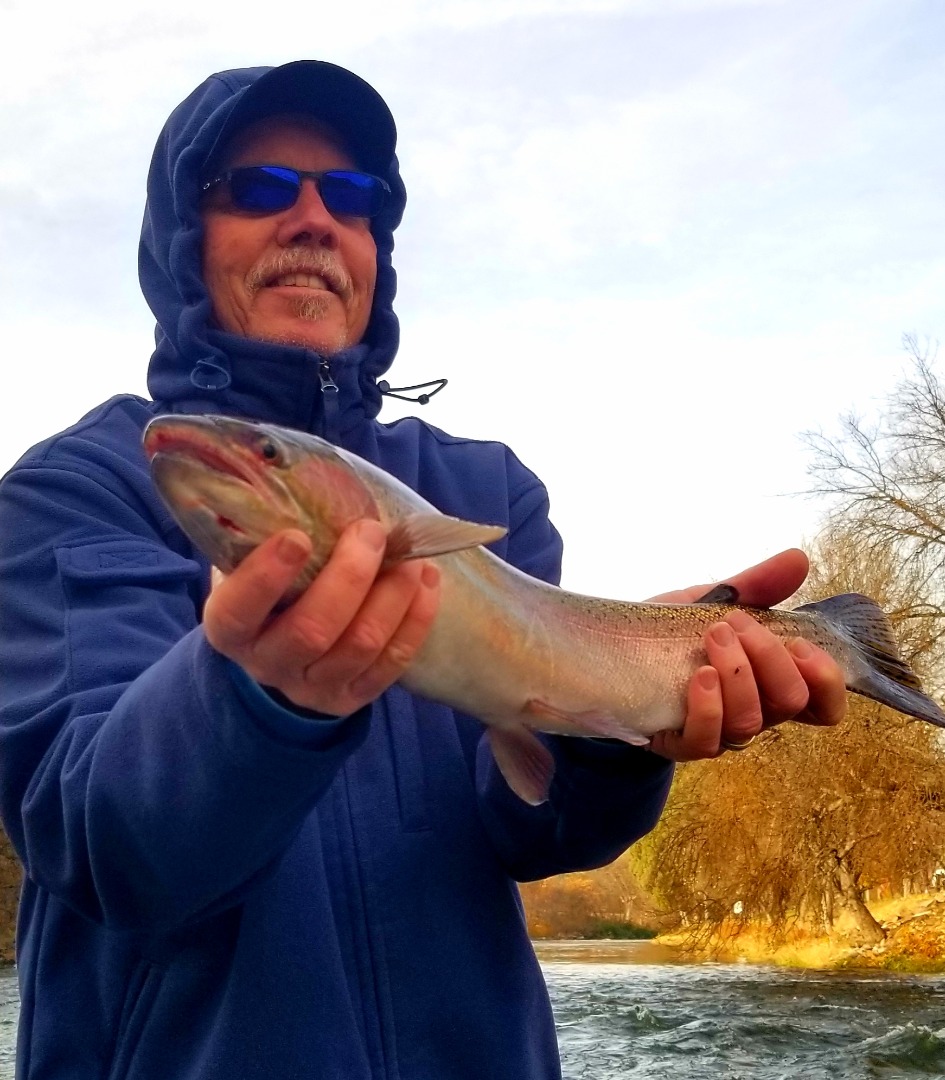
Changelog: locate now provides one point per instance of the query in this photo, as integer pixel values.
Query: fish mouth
(214, 486)
(196, 440)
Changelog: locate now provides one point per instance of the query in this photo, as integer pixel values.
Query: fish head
(231, 484)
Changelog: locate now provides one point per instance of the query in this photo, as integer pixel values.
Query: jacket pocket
(126, 603)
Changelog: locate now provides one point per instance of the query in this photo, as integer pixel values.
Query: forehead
(301, 141)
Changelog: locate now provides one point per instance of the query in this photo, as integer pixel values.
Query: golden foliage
(798, 831)
(10, 878)
(574, 905)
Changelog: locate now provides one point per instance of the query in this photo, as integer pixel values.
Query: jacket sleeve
(141, 781)
(605, 794)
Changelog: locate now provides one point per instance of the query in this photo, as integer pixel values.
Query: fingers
(767, 583)
(796, 681)
(756, 681)
(773, 580)
(827, 702)
(317, 620)
(239, 605)
(348, 637)
(390, 663)
(741, 699)
(373, 650)
(780, 689)
(699, 737)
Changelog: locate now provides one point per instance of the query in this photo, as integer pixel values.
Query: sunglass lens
(354, 193)
(266, 188)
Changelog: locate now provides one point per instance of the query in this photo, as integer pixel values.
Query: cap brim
(326, 92)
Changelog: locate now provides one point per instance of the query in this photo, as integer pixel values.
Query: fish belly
(514, 664)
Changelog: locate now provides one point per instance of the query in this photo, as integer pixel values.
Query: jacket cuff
(611, 757)
(284, 721)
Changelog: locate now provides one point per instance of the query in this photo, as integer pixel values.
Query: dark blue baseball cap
(326, 92)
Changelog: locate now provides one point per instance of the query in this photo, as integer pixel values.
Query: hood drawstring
(422, 399)
(210, 375)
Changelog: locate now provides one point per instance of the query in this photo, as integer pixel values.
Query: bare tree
(805, 825)
(808, 825)
(888, 478)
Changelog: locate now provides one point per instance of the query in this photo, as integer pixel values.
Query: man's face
(299, 276)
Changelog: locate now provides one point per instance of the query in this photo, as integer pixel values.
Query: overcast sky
(649, 242)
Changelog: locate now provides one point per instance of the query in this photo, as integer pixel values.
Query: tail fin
(886, 677)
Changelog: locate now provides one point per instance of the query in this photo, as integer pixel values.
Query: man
(248, 852)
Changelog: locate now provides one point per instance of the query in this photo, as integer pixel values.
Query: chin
(326, 346)
(324, 341)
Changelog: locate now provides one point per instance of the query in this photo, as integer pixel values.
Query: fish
(519, 654)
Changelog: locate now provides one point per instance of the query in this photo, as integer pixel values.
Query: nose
(308, 221)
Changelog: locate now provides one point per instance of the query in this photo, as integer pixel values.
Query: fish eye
(269, 450)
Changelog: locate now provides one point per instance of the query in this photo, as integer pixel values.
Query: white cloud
(648, 241)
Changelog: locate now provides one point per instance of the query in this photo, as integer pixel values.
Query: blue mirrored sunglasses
(267, 189)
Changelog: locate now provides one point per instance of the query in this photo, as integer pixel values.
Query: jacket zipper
(329, 390)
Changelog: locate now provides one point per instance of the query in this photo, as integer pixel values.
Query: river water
(626, 1011)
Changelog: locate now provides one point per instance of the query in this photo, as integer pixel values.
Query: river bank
(914, 942)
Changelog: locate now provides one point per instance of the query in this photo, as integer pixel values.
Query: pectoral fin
(419, 536)
(526, 763)
(592, 723)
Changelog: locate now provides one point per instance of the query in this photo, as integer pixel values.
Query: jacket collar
(288, 385)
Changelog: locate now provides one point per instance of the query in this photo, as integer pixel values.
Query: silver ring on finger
(743, 745)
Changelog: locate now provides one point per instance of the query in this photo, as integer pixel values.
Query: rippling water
(622, 1011)
(625, 1011)
(9, 1010)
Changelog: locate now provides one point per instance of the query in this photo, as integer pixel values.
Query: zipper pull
(328, 384)
(329, 424)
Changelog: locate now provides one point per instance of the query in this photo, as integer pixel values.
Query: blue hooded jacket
(217, 885)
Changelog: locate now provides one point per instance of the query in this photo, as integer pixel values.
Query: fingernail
(708, 678)
(372, 535)
(292, 549)
(800, 648)
(723, 634)
(430, 576)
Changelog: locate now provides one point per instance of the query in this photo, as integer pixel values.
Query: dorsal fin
(421, 535)
(720, 594)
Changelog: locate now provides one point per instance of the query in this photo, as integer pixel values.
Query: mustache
(302, 261)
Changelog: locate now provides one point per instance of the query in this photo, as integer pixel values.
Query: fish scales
(521, 655)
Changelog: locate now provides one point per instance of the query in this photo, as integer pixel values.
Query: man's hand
(345, 640)
(753, 680)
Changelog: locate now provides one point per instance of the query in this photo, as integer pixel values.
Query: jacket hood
(196, 367)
